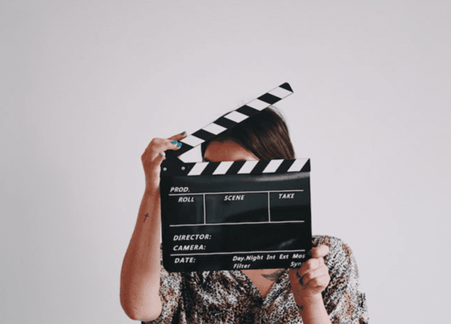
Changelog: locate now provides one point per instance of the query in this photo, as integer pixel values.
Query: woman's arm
(334, 273)
(140, 278)
(343, 298)
(307, 283)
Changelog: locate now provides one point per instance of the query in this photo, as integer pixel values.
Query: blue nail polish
(174, 142)
(179, 144)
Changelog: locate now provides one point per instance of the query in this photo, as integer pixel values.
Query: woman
(324, 290)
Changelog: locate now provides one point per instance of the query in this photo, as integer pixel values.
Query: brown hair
(265, 135)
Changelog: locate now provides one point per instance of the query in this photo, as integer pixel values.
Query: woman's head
(264, 135)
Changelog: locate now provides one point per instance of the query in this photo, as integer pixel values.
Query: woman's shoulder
(343, 298)
(330, 241)
(339, 251)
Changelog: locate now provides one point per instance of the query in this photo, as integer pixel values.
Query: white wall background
(85, 85)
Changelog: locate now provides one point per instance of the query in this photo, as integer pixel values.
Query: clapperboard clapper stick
(234, 215)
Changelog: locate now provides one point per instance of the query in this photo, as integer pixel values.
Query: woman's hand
(154, 155)
(311, 278)
(140, 278)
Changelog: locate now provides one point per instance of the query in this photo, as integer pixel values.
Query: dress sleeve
(343, 300)
(170, 295)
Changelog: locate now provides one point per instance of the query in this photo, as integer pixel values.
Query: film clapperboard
(234, 215)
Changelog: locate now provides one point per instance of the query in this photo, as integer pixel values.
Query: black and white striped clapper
(234, 214)
(172, 166)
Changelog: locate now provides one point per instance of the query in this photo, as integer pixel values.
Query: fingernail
(160, 154)
(309, 254)
(179, 144)
(174, 142)
(183, 133)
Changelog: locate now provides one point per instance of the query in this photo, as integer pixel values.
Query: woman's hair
(265, 135)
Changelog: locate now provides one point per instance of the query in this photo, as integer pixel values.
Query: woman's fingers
(155, 154)
(163, 144)
(320, 251)
(312, 277)
(316, 261)
(320, 281)
(178, 137)
(310, 265)
(320, 271)
(159, 145)
(314, 272)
